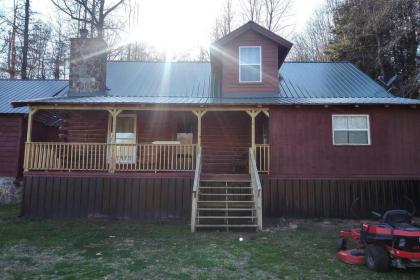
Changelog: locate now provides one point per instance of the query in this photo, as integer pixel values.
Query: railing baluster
(129, 157)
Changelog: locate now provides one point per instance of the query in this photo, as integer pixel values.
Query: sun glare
(177, 25)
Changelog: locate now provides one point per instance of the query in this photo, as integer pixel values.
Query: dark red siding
(11, 144)
(301, 141)
(139, 198)
(230, 65)
(168, 196)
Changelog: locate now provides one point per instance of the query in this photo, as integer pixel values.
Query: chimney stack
(87, 65)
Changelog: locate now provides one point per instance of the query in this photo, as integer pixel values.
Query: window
(351, 130)
(250, 64)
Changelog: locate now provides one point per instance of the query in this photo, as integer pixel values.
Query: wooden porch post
(199, 114)
(31, 112)
(253, 114)
(114, 114)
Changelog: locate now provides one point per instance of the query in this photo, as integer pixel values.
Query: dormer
(247, 61)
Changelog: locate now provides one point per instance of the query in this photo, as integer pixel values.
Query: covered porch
(149, 139)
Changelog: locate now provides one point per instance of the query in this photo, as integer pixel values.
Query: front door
(125, 135)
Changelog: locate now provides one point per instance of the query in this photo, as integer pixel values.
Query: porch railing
(262, 157)
(196, 189)
(256, 187)
(109, 157)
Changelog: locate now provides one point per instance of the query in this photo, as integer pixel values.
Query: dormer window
(250, 64)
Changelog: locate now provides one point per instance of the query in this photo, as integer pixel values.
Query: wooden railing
(262, 157)
(111, 157)
(256, 187)
(196, 189)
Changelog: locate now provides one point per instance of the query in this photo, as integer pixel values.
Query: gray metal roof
(302, 83)
(328, 80)
(189, 79)
(28, 89)
(150, 100)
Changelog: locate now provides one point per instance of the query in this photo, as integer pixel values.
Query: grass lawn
(46, 249)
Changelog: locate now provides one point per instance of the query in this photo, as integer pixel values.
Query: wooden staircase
(225, 203)
(226, 200)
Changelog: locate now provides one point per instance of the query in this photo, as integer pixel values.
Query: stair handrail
(196, 188)
(256, 186)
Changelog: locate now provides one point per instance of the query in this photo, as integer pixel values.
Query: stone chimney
(87, 65)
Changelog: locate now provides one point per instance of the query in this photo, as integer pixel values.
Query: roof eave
(257, 28)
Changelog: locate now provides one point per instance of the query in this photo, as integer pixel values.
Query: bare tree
(224, 23)
(59, 52)
(251, 10)
(95, 12)
(133, 10)
(9, 47)
(275, 12)
(312, 43)
(25, 41)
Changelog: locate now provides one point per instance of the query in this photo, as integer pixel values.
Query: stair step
(226, 217)
(227, 187)
(225, 209)
(224, 225)
(226, 201)
(220, 194)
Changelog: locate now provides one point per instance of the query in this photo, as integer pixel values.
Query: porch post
(31, 112)
(253, 114)
(114, 114)
(199, 114)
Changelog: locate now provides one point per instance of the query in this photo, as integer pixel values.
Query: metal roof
(190, 79)
(328, 80)
(28, 89)
(150, 100)
(301, 83)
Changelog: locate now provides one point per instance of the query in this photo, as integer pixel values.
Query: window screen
(249, 64)
(351, 130)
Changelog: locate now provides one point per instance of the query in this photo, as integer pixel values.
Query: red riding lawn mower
(394, 241)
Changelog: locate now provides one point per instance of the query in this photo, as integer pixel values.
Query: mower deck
(352, 256)
(393, 242)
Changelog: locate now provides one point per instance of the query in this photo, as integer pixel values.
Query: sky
(182, 24)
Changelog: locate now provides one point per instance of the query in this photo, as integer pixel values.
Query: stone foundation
(9, 190)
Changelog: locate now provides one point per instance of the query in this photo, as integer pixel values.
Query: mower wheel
(341, 244)
(377, 258)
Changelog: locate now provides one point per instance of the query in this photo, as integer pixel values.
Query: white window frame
(351, 115)
(244, 64)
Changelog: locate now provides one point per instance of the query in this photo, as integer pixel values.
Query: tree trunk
(25, 43)
(12, 46)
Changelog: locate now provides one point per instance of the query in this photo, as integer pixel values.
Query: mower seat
(397, 219)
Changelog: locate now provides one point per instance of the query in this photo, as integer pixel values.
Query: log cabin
(227, 143)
